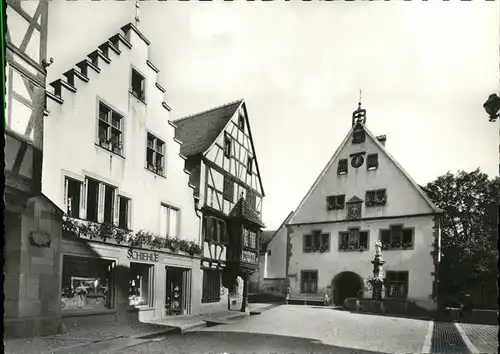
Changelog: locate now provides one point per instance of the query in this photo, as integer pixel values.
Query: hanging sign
(142, 256)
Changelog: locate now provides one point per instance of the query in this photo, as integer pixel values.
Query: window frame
(106, 142)
(169, 207)
(67, 180)
(321, 248)
(210, 293)
(141, 96)
(372, 162)
(153, 147)
(372, 198)
(332, 202)
(302, 280)
(151, 278)
(393, 227)
(342, 167)
(358, 136)
(222, 236)
(128, 212)
(397, 274)
(250, 164)
(358, 246)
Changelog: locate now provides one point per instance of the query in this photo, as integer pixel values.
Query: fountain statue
(377, 281)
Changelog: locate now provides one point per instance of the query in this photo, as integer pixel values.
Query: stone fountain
(377, 281)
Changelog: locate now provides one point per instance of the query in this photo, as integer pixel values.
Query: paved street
(299, 329)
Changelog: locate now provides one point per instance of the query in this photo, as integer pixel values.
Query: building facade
(131, 234)
(362, 196)
(222, 161)
(32, 221)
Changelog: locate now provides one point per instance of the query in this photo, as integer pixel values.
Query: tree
(470, 233)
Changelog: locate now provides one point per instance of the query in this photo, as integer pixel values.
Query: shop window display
(86, 283)
(140, 281)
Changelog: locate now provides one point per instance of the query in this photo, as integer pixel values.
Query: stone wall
(32, 267)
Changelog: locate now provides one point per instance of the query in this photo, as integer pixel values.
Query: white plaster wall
(70, 135)
(402, 197)
(276, 262)
(418, 261)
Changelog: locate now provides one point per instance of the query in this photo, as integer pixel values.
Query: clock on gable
(357, 161)
(354, 208)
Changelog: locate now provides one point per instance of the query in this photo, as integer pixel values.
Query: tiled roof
(197, 132)
(244, 210)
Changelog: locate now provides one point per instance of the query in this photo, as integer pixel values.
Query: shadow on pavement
(236, 342)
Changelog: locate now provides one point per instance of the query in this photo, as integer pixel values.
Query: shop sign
(142, 256)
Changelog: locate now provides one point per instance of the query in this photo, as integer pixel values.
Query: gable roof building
(363, 195)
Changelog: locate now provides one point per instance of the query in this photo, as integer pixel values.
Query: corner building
(364, 195)
(112, 164)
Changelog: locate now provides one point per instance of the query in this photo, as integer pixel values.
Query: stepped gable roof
(197, 132)
(244, 210)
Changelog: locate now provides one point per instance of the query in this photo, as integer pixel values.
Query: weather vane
(137, 19)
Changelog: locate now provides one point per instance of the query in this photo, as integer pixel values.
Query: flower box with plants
(109, 233)
(351, 246)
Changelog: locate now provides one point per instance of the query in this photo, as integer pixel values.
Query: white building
(363, 195)
(111, 159)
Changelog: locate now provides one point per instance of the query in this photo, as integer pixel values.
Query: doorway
(178, 291)
(346, 285)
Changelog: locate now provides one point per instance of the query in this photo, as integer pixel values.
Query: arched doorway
(346, 284)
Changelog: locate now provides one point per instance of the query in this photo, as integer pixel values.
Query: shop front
(107, 282)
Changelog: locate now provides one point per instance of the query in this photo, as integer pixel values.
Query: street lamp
(492, 107)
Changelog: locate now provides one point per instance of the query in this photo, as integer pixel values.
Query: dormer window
(227, 145)
(342, 167)
(335, 202)
(372, 162)
(376, 197)
(358, 137)
(138, 84)
(241, 122)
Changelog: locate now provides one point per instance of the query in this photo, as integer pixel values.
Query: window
(211, 286)
(92, 200)
(169, 221)
(101, 201)
(124, 212)
(376, 197)
(249, 238)
(251, 199)
(140, 284)
(228, 189)
(353, 240)
(335, 202)
(86, 283)
(358, 137)
(155, 161)
(138, 85)
(110, 129)
(268, 252)
(73, 192)
(372, 162)
(109, 203)
(342, 167)
(309, 281)
(215, 230)
(397, 284)
(241, 122)
(316, 242)
(249, 164)
(227, 145)
(397, 237)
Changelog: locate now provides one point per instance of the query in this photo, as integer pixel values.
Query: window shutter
(208, 228)
(172, 225)
(83, 199)
(100, 210)
(129, 214)
(163, 220)
(66, 203)
(116, 210)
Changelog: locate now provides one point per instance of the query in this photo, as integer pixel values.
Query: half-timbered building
(130, 247)
(33, 222)
(222, 160)
(362, 196)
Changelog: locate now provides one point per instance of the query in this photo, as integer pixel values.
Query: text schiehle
(142, 256)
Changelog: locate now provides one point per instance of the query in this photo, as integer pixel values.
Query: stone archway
(344, 285)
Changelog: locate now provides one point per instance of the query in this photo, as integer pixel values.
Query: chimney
(382, 139)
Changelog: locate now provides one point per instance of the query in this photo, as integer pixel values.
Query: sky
(425, 70)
